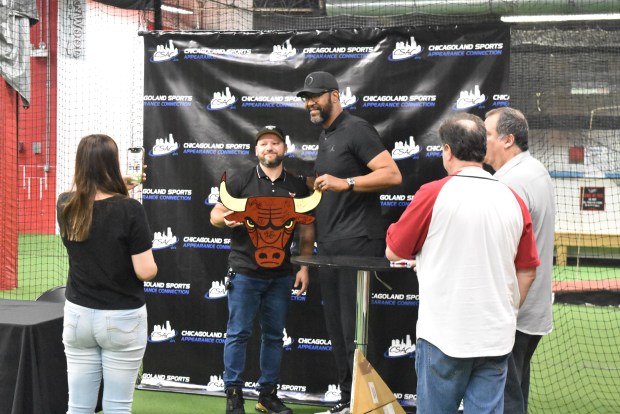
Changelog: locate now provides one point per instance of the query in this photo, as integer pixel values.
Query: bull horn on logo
(230, 202)
(303, 205)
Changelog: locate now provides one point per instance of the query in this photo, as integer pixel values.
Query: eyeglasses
(314, 96)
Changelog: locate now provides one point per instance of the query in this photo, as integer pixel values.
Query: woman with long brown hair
(108, 242)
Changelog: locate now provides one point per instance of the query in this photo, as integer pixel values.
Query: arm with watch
(384, 174)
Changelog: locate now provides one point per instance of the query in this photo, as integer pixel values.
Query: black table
(363, 265)
(365, 378)
(33, 369)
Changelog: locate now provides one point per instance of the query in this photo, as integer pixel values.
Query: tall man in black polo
(352, 165)
(256, 287)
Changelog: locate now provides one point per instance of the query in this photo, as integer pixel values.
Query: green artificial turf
(158, 402)
(576, 368)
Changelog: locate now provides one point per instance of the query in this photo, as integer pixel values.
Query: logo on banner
(410, 399)
(217, 290)
(160, 380)
(282, 52)
(399, 101)
(216, 148)
(347, 98)
(252, 385)
(465, 49)
(213, 197)
(164, 53)
(341, 52)
(162, 333)
(401, 348)
(168, 100)
(222, 100)
(295, 298)
(167, 194)
(209, 337)
(304, 152)
(271, 101)
(314, 344)
(395, 200)
(405, 50)
(290, 147)
(216, 383)
(433, 151)
(202, 242)
(332, 394)
(287, 341)
(206, 53)
(163, 240)
(403, 150)
(395, 299)
(500, 100)
(164, 146)
(469, 99)
(168, 288)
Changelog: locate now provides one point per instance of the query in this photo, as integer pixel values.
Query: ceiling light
(560, 18)
(176, 9)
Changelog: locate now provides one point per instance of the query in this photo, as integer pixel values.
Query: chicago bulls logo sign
(270, 221)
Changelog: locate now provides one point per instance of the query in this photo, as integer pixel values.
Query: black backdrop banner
(205, 96)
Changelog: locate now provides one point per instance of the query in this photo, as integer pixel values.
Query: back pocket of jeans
(69, 327)
(123, 331)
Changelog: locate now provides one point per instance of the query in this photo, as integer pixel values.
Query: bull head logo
(270, 221)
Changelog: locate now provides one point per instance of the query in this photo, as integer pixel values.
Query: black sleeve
(140, 236)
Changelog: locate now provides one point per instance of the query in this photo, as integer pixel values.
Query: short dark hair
(466, 136)
(512, 121)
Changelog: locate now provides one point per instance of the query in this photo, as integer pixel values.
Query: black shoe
(340, 408)
(234, 401)
(269, 403)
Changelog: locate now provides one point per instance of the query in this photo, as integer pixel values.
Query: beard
(272, 162)
(323, 114)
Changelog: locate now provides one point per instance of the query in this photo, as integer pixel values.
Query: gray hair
(512, 121)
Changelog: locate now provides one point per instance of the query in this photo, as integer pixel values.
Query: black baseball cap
(318, 82)
(270, 129)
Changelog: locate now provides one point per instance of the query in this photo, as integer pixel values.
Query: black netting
(565, 77)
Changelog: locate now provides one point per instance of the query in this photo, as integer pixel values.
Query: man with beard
(352, 165)
(253, 288)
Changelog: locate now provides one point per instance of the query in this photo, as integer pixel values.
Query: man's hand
(231, 223)
(302, 279)
(328, 182)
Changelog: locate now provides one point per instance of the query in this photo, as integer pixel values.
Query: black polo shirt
(345, 149)
(251, 183)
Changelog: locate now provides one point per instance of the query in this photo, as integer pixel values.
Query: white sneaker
(340, 408)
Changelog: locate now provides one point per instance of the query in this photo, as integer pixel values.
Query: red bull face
(270, 221)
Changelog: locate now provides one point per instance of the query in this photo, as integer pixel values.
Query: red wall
(37, 171)
(8, 176)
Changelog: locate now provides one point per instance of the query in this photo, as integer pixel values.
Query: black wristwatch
(351, 182)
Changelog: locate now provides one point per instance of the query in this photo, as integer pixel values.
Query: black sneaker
(269, 403)
(340, 408)
(234, 401)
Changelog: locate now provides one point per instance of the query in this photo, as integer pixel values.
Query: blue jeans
(249, 296)
(444, 381)
(103, 343)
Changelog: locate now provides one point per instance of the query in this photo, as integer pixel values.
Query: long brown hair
(96, 168)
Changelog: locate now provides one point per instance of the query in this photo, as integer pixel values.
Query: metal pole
(361, 316)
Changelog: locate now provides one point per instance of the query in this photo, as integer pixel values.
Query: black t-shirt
(101, 273)
(252, 183)
(345, 149)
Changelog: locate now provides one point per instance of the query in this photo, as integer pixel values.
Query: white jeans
(108, 343)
